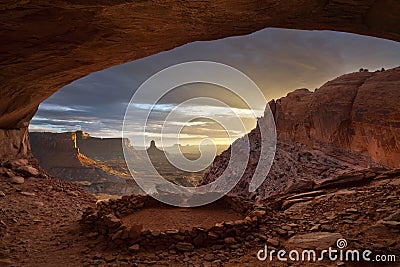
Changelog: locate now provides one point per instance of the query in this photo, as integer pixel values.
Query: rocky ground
(39, 225)
(295, 167)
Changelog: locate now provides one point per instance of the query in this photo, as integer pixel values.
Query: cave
(45, 221)
(46, 46)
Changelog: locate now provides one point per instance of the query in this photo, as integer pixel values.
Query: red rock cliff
(359, 112)
(349, 124)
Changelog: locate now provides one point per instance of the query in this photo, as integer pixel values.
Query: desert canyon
(330, 159)
(336, 171)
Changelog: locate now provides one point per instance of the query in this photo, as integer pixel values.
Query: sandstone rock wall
(14, 143)
(102, 148)
(55, 150)
(50, 44)
(296, 167)
(359, 112)
(349, 124)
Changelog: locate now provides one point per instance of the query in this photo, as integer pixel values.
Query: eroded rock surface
(59, 155)
(14, 143)
(350, 124)
(47, 45)
(359, 112)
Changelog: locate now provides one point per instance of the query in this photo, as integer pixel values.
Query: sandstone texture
(46, 45)
(296, 168)
(60, 156)
(316, 240)
(350, 124)
(14, 143)
(359, 112)
(101, 149)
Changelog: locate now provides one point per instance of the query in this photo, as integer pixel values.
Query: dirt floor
(39, 227)
(163, 218)
(39, 223)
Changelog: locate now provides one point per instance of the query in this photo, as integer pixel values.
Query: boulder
(111, 221)
(135, 232)
(315, 240)
(230, 240)
(184, 246)
(14, 164)
(345, 180)
(17, 180)
(28, 194)
(200, 239)
(288, 203)
(134, 248)
(209, 257)
(273, 242)
(28, 171)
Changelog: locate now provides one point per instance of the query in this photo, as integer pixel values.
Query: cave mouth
(53, 54)
(48, 46)
(278, 60)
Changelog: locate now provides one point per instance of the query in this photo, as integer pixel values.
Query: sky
(277, 60)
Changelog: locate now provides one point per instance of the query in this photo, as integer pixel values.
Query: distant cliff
(99, 164)
(60, 155)
(102, 148)
(55, 150)
(164, 167)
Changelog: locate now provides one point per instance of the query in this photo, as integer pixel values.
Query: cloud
(278, 60)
